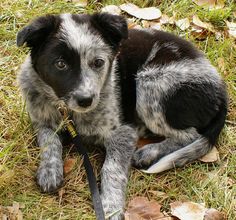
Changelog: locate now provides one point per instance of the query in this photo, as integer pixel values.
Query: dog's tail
(178, 158)
(196, 149)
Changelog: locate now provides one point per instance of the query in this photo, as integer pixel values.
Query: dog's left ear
(112, 27)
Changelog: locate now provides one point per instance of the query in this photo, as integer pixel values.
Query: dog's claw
(49, 177)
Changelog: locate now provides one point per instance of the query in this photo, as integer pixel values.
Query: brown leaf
(191, 210)
(199, 33)
(151, 13)
(131, 23)
(150, 140)
(112, 9)
(212, 156)
(231, 28)
(188, 210)
(69, 165)
(11, 212)
(158, 193)
(212, 4)
(164, 19)
(132, 216)
(140, 208)
(213, 214)
(183, 24)
(221, 63)
(204, 25)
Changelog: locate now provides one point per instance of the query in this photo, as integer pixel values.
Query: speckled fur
(134, 91)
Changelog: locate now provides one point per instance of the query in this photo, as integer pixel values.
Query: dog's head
(74, 54)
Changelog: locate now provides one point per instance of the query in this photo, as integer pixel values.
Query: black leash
(97, 203)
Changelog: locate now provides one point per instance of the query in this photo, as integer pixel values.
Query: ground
(213, 184)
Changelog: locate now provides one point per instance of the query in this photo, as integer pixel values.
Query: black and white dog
(118, 84)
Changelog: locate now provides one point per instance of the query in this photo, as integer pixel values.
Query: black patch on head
(38, 31)
(202, 106)
(62, 81)
(113, 28)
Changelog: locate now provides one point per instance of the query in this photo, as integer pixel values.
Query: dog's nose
(84, 101)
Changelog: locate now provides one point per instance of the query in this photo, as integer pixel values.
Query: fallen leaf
(151, 24)
(146, 24)
(140, 208)
(212, 4)
(212, 156)
(231, 28)
(213, 214)
(69, 165)
(221, 63)
(11, 212)
(132, 216)
(156, 26)
(150, 140)
(204, 25)
(151, 13)
(188, 210)
(80, 3)
(196, 211)
(183, 24)
(164, 19)
(158, 193)
(199, 33)
(112, 9)
(230, 182)
(132, 24)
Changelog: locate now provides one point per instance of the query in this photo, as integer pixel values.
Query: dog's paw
(112, 209)
(117, 216)
(50, 177)
(144, 157)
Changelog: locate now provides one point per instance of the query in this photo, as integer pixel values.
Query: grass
(213, 184)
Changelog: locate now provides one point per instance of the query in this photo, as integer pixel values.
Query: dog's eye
(98, 63)
(60, 64)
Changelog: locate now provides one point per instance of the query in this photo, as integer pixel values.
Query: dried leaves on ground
(152, 17)
(140, 208)
(195, 211)
(11, 212)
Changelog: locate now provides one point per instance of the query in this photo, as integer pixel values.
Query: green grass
(213, 184)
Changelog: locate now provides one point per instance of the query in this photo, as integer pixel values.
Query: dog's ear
(37, 31)
(112, 27)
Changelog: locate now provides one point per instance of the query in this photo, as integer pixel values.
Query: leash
(97, 203)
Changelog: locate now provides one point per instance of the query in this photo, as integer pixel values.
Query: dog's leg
(119, 150)
(50, 172)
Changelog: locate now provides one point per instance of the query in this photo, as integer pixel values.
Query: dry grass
(213, 184)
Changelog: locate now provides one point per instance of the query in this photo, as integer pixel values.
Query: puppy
(118, 85)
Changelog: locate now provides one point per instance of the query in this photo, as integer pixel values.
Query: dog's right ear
(112, 27)
(37, 31)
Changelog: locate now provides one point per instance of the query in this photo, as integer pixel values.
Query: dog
(118, 85)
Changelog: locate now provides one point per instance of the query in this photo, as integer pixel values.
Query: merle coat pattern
(118, 84)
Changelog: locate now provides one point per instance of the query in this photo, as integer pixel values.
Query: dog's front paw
(50, 176)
